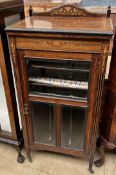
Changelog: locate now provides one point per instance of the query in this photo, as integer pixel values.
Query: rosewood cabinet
(59, 63)
(10, 131)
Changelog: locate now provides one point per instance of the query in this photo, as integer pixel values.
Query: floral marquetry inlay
(67, 10)
(60, 45)
(12, 46)
(104, 56)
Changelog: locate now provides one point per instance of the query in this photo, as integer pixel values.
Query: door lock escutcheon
(26, 109)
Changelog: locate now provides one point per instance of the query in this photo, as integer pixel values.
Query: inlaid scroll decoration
(67, 10)
(13, 56)
(104, 56)
(12, 46)
(62, 45)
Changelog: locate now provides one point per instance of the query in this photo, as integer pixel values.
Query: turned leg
(101, 150)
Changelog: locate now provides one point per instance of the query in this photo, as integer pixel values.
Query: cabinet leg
(28, 152)
(18, 148)
(90, 167)
(101, 150)
(20, 158)
(100, 161)
(29, 157)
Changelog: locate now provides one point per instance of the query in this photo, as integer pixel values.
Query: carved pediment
(67, 10)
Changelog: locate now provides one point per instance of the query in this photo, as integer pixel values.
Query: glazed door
(57, 91)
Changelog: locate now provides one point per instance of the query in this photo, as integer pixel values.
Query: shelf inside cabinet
(70, 94)
(73, 65)
(59, 83)
(60, 68)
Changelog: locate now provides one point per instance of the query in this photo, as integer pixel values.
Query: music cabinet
(10, 131)
(59, 59)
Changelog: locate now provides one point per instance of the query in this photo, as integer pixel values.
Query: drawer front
(58, 45)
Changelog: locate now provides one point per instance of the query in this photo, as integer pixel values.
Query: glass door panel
(43, 122)
(73, 127)
(4, 116)
(59, 78)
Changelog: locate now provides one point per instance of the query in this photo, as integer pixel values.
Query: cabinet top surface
(77, 25)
